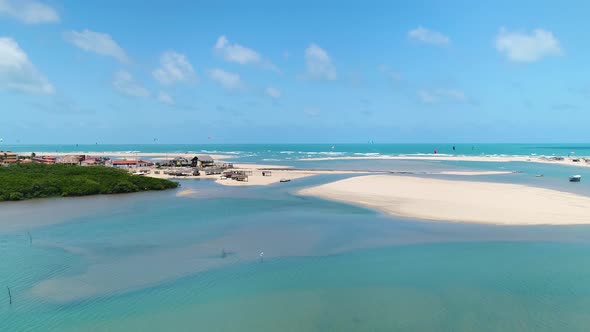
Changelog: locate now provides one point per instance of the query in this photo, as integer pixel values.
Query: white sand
(534, 159)
(256, 179)
(462, 201)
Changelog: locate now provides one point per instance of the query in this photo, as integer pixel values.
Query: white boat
(285, 180)
(575, 178)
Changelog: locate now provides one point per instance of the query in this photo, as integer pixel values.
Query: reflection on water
(155, 261)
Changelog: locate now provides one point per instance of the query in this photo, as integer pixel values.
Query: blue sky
(293, 71)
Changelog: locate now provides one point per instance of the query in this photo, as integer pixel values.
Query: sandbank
(569, 161)
(458, 201)
(277, 173)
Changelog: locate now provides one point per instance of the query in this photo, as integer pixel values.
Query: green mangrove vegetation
(28, 181)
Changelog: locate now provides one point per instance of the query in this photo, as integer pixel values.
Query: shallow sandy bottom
(462, 201)
(474, 173)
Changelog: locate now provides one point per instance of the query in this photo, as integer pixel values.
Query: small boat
(575, 178)
(285, 180)
(139, 173)
(539, 175)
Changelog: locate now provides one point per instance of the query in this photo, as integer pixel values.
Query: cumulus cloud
(527, 47)
(234, 52)
(96, 42)
(319, 64)
(174, 68)
(124, 83)
(228, 80)
(28, 11)
(165, 98)
(442, 95)
(273, 92)
(17, 73)
(427, 36)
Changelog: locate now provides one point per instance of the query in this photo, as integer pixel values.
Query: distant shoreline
(154, 155)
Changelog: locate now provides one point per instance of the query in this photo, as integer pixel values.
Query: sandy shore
(460, 201)
(277, 173)
(498, 159)
(119, 155)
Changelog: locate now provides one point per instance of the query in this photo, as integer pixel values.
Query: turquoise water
(270, 152)
(158, 262)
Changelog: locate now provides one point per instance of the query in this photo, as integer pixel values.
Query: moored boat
(575, 178)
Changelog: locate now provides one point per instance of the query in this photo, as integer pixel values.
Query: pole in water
(9, 296)
(223, 253)
(261, 256)
(30, 238)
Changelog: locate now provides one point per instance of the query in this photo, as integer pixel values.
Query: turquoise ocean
(159, 262)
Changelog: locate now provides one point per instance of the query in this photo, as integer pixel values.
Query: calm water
(158, 262)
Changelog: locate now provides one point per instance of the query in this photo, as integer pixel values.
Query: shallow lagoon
(155, 261)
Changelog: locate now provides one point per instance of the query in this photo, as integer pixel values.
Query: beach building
(202, 161)
(180, 162)
(131, 163)
(8, 157)
(94, 161)
(44, 160)
(71, 160)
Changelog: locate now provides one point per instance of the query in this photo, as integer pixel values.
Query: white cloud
(228, 80)
(319, 65)
(427, 36)
(165, 98)
(236, 52)
(174, 67)
(126, 84)
(523, 47)
(17, 73)
(97, 42)
(436, 96)
(29, 11)
(273, 92)
(240, 54)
